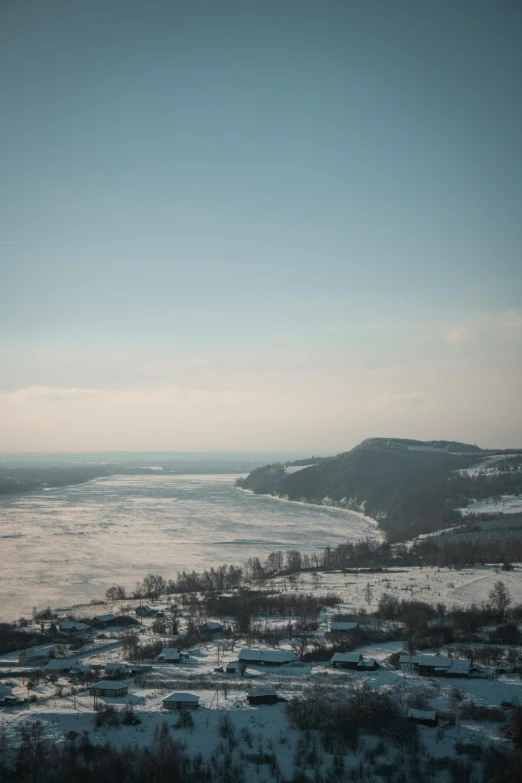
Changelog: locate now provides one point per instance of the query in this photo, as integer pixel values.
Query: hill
(410, 487)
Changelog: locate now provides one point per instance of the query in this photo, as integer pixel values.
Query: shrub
(130, 717)
(472, 711)
(184, 721)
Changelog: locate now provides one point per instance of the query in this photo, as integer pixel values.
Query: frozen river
(67, 545)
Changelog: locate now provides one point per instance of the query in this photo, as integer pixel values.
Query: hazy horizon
(263, 227)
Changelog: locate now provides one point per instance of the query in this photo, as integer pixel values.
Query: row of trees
(440, 551)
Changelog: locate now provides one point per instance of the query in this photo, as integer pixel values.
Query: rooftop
(181, 696)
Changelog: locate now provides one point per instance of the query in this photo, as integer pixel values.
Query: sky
(267, 225)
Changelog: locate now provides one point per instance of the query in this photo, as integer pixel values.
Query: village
(120, 671)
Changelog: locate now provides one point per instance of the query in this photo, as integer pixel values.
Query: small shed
(234, 667)
(109, 688)
(59, 665)
(342, 627)
(424, 717)
(181, 701)
(347, 660)
(264, 695)
(170, 655)
(367, 665)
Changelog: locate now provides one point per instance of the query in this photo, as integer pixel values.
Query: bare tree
(500, 598)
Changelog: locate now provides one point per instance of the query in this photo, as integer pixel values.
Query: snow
(506, 504)
(488, 465)
(290, 469)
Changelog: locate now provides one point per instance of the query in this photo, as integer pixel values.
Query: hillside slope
(410, 487)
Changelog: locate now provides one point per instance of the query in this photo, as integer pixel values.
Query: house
(69, 627)
(117, 668)
(181, 701)
(104, 619)
(60, 665)
(33, 655)
(252, 657)
(436, 665)
(211, 628)
(266, 695)
(367, 665)
(145, 611)
(170, 655)
(424, 717)
(342, 627)
(109, 688)
(348, 660)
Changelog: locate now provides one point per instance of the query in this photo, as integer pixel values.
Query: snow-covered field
(454, 587)
(507, 504)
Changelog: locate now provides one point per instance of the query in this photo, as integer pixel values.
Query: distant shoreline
(309, 504)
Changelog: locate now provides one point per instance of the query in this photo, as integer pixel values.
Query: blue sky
(259, 225)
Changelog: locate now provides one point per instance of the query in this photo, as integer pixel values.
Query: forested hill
(410, 487)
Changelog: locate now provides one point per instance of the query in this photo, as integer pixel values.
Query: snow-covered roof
(170, 654)
(422, 714)
(212, 625)
(407, 658)
(39, 651)
(104, 618)
(68, 625)
(435, 660)
(181, 696)
(4, 691)
(267, 656)
(442, 664)
(60, 664)
(81, 668)
(342, 626)
(113, 667)
(259, 692)
(347, 657)
(109, 685)
(366, 663)
(459, 666)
